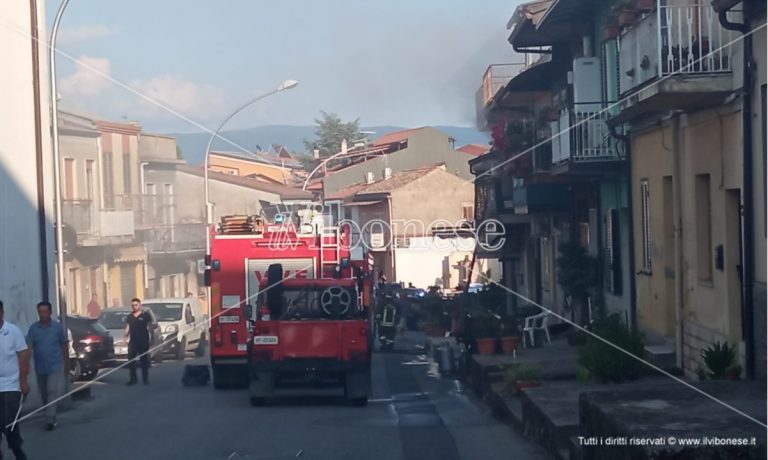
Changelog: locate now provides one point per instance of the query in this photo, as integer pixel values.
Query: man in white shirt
(14, 367)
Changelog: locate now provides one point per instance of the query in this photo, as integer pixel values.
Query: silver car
(114, 320)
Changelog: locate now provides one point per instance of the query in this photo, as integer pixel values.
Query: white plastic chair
(535, 323)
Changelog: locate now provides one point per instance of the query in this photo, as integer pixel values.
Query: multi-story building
(556, 172)
(398, 151)
(173, 212)
(417, 225)
(699, 240)
(26, 167)
(102, 210)
(644, 102)
(278, 168)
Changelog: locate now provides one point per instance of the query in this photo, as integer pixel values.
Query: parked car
(182, 324)
(74, 365)
(114, 320)
(475, 288)
(414, 293)
(94, 346)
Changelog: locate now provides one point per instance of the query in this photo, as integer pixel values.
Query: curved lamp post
(287, 84)
(60, 283)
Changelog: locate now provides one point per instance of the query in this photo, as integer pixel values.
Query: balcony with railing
(496, 76)
(97, 226)
(582, 141)
(675, 56)
(175, 238)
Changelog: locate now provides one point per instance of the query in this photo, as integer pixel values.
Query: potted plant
(645, 5)
(607, 360)
(627, 16)
(485, 331)
(510, 335)
(611, 32)
(719, 359)
(522, 376)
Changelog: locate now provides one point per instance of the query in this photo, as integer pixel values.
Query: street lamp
(60, 283)
(287, 84)
(322, 163)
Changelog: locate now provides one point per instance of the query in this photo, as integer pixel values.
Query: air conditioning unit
(587, 85)
(369, 178)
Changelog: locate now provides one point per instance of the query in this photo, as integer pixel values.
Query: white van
(182, 324)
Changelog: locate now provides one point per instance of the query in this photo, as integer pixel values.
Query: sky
(394, 62)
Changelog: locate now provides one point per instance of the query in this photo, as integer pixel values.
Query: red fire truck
(242, 250)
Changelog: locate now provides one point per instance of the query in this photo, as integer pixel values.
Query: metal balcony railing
(175, 238)
(496, 76)
(679, 37)
(691, 39)
(78, 214)
(582, 134)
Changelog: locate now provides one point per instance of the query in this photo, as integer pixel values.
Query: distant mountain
(193, 144)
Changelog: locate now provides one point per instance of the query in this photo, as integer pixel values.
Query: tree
(329, 133)
(179, 153)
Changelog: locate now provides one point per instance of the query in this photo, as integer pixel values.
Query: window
(613, 251)
(703, 227)
(468, 212)
(69, 179)
(127, 173)
(109, 181)
(89, 179)
(645, 217)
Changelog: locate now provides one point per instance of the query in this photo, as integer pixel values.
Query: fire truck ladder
(335, 245)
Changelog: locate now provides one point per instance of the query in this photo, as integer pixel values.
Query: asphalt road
(413, 414)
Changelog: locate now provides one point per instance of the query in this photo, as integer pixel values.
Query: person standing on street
(50, 350)
(138, 333)
(14, 367)
(93, 307)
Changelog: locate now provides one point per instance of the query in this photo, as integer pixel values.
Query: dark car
(94, 346)
(414, 293)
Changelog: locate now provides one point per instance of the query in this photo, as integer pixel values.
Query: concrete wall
(21, 270)
(425, 147)
(759, 165)
(709, 145)
(156, 146)
(120, 187)
(655, 290)
(227, 198)
(436, 197)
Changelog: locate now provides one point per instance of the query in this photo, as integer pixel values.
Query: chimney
(369, 178)
(387, 173)
(343, 146)
(317, 154)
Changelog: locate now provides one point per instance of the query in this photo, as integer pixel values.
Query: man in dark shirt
(138, 334)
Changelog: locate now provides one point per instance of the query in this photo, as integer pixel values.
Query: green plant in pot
(485, 329)
(577, 275)
(608, 362)
(522, 376)
(510, 334)
(720, 359)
